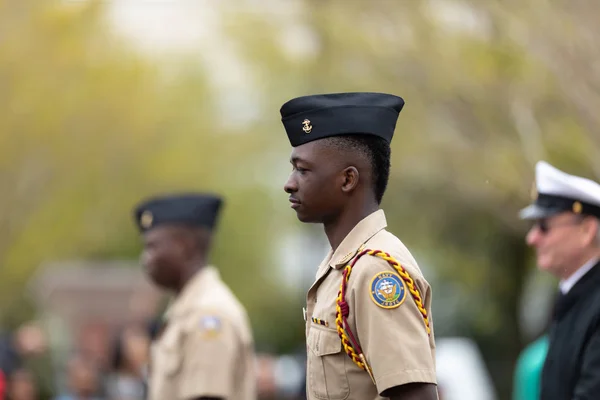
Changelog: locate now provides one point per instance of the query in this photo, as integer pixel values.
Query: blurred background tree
(89, 126)
(484, 103)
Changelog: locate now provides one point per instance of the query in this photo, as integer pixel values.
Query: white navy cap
(556, 191)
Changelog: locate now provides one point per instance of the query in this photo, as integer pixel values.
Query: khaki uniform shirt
(394, 340)
(207, 347)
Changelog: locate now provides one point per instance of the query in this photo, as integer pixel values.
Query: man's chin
(305, 218)
(152, 276)
(545, 266)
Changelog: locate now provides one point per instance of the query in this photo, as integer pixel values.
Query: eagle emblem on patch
(210, 325)
(388, 290)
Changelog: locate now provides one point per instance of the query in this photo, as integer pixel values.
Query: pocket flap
(172, 362)
(169, 351)
(165, 360)
(323, 342)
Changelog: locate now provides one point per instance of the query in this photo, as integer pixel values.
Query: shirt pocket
(169, 354)
(327, 378)
(164, 372)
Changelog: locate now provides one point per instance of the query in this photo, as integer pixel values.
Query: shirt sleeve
(390, 328)
(210, 347)
(588, 385)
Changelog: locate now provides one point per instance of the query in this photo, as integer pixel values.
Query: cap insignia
(146, 219)
(306, 126)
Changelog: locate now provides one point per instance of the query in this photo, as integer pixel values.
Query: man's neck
(188, 272)
(584, 260)
(337, 229)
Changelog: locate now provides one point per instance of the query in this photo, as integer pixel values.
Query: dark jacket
(572, 367)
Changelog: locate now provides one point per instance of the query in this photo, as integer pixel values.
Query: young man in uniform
(206, 349)
(566, 238)
(368, 319)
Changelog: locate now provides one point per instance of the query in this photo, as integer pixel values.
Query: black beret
(192, 209)
(309, 118)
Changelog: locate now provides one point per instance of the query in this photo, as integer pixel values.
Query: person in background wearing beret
(566, 238)
(206, 349)
(368, 314)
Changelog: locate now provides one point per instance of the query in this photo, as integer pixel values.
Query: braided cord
(350, 344)
(342, 310)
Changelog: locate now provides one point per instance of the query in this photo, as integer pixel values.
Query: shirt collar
(361, 233)
(567, 284)
(195, 285)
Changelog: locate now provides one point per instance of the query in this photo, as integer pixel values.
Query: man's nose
(533, 236)
(290, 185)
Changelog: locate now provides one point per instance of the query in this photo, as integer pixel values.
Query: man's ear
(350, 176)
(590, 230)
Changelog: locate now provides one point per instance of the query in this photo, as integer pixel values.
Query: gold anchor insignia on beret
(146, 219)
(306, 126)
(577, 207)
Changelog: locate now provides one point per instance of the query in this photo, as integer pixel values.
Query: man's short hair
(376, 150)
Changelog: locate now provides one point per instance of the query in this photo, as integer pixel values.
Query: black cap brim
(534, 211)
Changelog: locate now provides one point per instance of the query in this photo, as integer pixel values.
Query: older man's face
(559, 242)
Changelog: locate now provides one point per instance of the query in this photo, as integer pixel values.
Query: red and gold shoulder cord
(349, 342)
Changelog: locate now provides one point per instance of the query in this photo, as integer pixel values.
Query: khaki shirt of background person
(207, 347)
(394, 341)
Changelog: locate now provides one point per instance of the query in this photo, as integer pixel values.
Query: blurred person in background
(30, 340)
(83, 380)
(281, 377)
(9, 360)
(205, 350)
(26, 349)
(265, 381)
(22, 385)
(126, 381)
(2, 385)
(566, 238)
(528, 369)
(340, 169)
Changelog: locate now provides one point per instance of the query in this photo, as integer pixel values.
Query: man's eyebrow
(295, 159)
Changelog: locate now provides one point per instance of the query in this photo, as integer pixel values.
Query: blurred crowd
(27, 371)
(89, 372)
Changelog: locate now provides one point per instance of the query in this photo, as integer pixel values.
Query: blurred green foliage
(88, 127)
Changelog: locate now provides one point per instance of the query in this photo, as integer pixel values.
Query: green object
(529, 370)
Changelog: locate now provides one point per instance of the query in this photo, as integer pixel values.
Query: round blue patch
(210, 325)
(388, 290)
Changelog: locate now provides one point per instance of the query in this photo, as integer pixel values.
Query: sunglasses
(545, 226)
